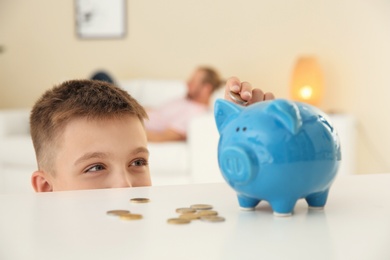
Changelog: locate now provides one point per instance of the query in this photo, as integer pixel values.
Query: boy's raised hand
(245, 91)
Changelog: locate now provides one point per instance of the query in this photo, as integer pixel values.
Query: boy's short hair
(90, 99)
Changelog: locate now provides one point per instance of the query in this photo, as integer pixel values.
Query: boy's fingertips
(247, 95)
(235, 88)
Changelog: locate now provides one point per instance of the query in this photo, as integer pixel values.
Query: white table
(73, 225)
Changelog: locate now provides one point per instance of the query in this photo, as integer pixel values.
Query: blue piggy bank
(278, 151)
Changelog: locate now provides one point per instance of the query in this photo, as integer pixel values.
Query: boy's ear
(40, 182)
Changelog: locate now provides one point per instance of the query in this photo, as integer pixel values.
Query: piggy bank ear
(225, 111)
(287, 113)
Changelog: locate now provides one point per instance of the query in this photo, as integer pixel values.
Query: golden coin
(178, 221)
(130, 216)
(139, 200)
(185, 210)
(212, 218)
(201, 206)
(203, 213)
(189, 216)
(117, 212)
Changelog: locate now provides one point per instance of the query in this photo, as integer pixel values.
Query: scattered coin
(201, 206)
(185, 210)
(130, 216)
(139, 200)
(203, 213)
(117, 212)
(189, 216)
(237, 98)
(212, 218)
(178, 221)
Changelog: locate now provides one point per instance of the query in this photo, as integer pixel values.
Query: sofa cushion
(16, 179)
(17, 150)
(153, 93)
(169, 156)
(14, 122)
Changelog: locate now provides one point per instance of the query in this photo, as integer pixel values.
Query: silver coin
(237, 98)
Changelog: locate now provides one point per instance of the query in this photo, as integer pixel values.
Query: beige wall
(255, 40)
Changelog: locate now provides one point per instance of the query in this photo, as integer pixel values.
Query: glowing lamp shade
(307, 81)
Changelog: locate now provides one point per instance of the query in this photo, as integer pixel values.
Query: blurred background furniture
(191, 161)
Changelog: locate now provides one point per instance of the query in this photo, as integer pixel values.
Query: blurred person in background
(170, 121)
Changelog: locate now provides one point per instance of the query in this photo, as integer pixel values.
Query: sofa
(190, 161)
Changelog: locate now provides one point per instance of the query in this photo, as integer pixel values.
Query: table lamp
(307, 81)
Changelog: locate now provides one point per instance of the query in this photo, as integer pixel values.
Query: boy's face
(94, 154)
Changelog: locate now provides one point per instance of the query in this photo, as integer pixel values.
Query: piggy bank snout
(237, 165)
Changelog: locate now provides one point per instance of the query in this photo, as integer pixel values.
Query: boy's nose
(120, 180)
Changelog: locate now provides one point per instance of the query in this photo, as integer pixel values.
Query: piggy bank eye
(238, 129)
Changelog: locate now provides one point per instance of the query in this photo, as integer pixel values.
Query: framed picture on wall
(100, 19)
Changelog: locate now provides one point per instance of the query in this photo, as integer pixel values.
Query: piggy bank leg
(247, 203)
(317, 200)
(283, 208)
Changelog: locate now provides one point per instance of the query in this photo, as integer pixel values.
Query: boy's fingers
(232, 84)
(257, 96)
(269, 96)
(246, 91)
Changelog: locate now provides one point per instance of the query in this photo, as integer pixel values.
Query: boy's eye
(139, 162)
(95, 168)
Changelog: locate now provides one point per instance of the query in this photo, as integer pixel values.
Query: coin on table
(117, 212)
(178, 221)
(185, 210)
(189, 216)
(201, 206)
(139, 200)
(237, 98)
(203, 213)
(130, 216)
(212, 218)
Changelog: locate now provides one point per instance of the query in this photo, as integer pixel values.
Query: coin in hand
(237, 98)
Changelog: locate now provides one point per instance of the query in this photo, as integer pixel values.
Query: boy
(90, 134)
